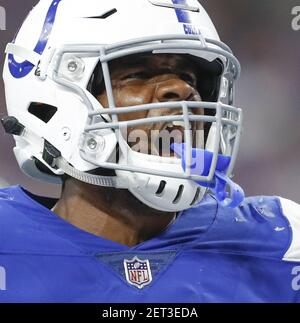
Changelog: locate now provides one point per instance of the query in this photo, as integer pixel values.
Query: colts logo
(138, 272)
(20, 70)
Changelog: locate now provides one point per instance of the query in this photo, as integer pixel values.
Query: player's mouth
(171, 132)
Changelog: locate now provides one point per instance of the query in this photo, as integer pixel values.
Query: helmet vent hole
(196, 196)
(106, 14)
(179, 194)
(42, 111)
(161, 188)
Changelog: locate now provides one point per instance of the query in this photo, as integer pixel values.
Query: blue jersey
(209, 254)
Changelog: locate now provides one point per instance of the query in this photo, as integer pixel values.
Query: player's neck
(110, 213)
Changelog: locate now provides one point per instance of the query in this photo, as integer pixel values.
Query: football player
(130, 105)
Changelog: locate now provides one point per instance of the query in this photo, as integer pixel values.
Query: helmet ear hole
(42, 111)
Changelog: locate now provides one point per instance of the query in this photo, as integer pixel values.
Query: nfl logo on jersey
(138, 272)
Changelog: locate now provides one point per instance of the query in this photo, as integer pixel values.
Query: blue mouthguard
(201, 161)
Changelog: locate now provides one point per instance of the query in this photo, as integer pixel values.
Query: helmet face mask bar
(98, 141)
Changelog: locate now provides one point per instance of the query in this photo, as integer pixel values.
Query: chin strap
(200, 165)
(98, 180)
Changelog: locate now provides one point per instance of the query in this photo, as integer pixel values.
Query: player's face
(152, 78)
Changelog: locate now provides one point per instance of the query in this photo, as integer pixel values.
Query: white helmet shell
(52, 60)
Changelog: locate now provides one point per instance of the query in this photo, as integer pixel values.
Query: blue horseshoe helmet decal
(20, 70)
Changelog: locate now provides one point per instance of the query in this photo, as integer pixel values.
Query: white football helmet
(60, 127)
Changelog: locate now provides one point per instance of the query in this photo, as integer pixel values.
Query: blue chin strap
(200, 165)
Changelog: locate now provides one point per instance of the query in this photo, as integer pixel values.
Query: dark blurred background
(261, 36)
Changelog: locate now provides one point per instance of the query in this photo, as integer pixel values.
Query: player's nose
(174, 89)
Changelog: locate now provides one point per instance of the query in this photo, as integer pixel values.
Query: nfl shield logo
(138, 272)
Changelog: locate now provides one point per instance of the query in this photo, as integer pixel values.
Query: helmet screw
(92, 144)
(66, 132)
(72, 66)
